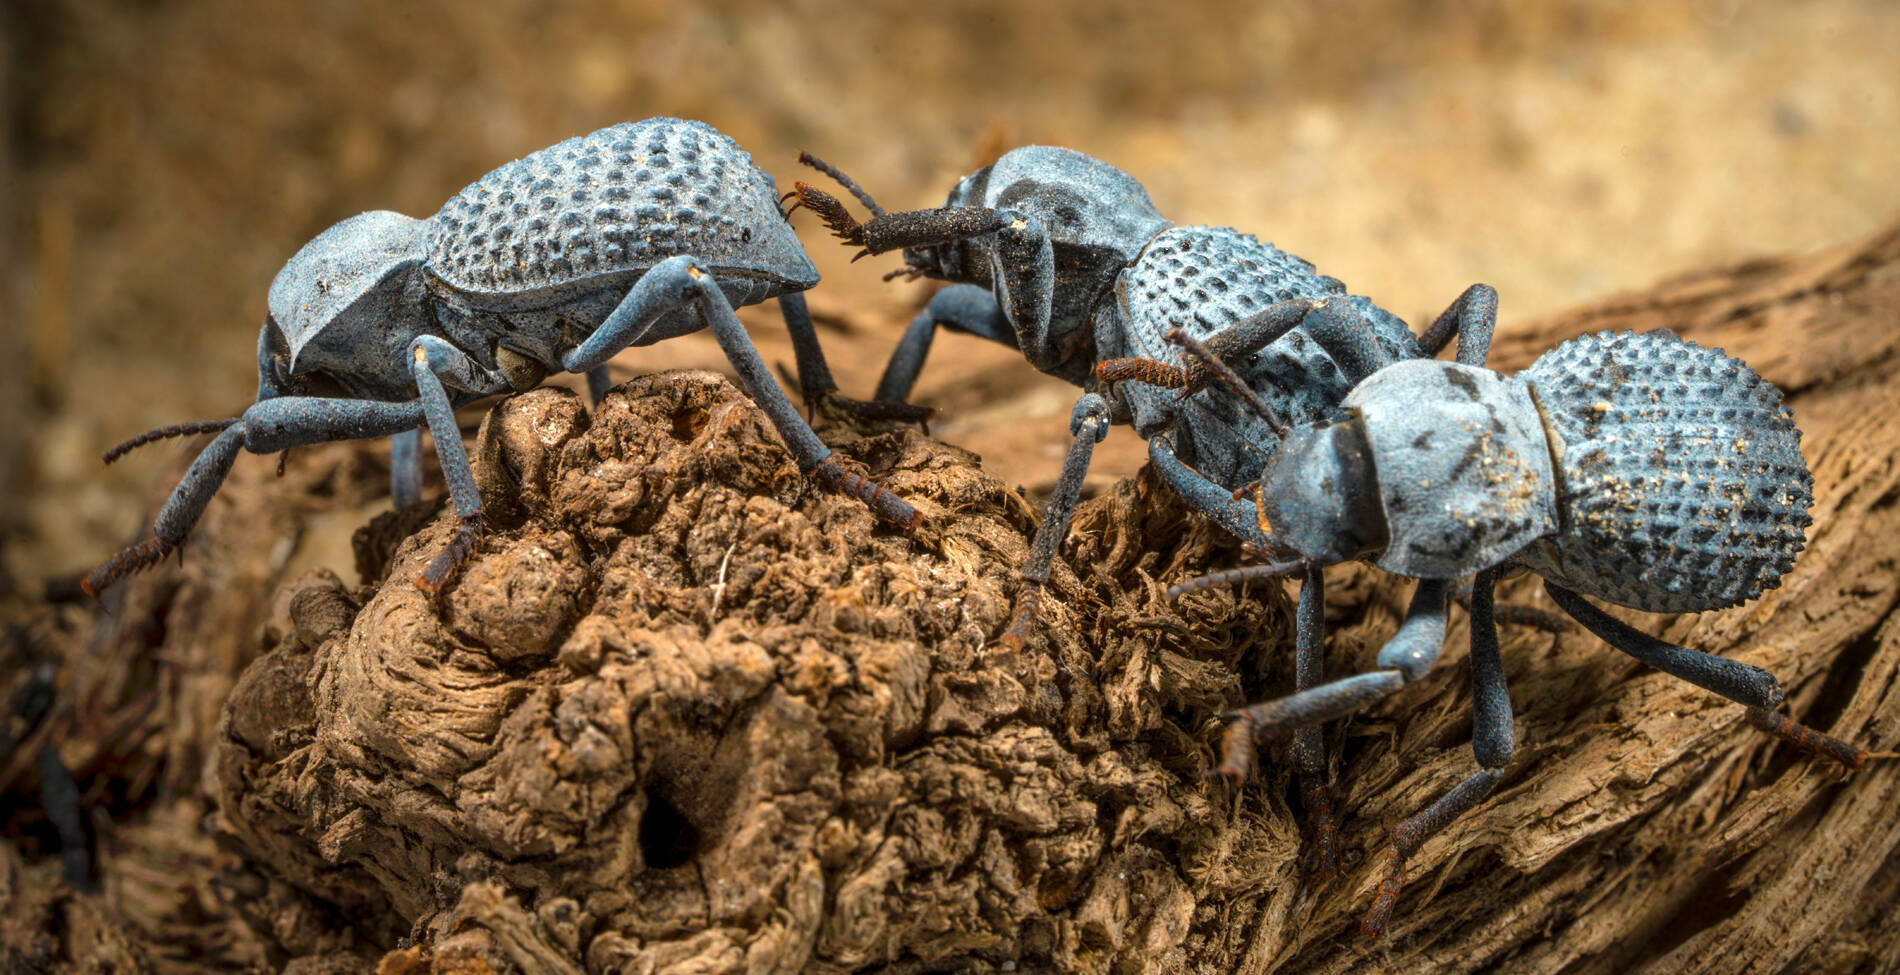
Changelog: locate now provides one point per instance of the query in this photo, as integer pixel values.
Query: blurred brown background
(164, 158)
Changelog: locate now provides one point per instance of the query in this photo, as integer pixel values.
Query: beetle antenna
(1272, 570)
(1225, 375)
(166, 433)
(843, 180)
(1154, 372)
(837, 219)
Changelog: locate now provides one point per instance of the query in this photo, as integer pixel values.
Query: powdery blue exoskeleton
(1640, 469)
(1064, 257)
(552, 263)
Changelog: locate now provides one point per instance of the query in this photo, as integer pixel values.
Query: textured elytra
(1682, 480)
(1203, 280)
(620, 199)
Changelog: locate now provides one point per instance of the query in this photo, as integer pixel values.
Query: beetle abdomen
(1203, 279)
(1682, 482)
(620, 199)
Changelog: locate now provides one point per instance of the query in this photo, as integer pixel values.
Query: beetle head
(1319, 496)
(1097, 216)
(355, 284)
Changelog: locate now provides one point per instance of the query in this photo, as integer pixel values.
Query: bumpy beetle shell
(1202, 280)
(619, 200)
(1465, 484)
(1682, 481)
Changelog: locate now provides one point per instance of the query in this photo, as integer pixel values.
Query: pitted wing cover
(621, 199)
(1203, 279)
(1465, 483)
(1682, 480)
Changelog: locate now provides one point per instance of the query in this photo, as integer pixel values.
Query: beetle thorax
(351, 299)
(1463, 466)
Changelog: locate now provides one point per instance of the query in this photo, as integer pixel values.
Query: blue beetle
(1641, 469)
(552, 263)
(1065, 257)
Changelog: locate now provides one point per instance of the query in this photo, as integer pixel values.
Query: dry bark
(683, 713)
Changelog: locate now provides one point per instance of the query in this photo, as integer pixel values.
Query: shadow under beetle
(552, 263)
(1641, 469)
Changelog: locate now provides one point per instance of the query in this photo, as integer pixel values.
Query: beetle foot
(468, 532)
(1318, 802)
(131, 559)
(1027, 602)
(1373, 924)
(885, 502)
(1807, 739)
(1237, 749)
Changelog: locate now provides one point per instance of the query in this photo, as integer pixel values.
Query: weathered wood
(682, 711)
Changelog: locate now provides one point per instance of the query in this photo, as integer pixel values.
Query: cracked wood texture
(683, 713)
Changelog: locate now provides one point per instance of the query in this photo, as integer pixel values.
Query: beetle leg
(960, 307)
(266, 428)
(1238, 517)
(1742, 683)
(1492, 743)
(405, 468)
(1512, 614)
(599, 381)
(1309, 744)
(1404, 658)
(1473, 318)
(60, 796)
(1088, 424)
(682, 281)
(431, 359)
(1248, 336)
(814, 374)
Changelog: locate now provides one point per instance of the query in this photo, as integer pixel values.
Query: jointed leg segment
(1492, 743)
(1405, 658)
(681, 281)
(1088, 424)
(266, 428)
(431, 359)
(1742, 683)
(1309, 748)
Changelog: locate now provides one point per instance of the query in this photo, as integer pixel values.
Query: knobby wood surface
(683, 713)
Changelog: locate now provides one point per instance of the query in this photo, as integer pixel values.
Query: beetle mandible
(552, 263)
(1641, 469)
